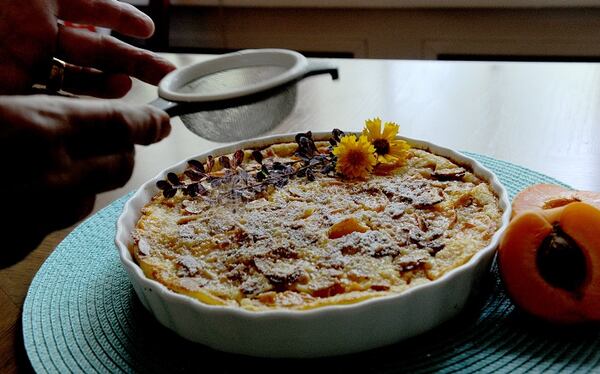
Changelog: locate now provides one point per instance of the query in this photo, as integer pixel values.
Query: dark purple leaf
(163, 185)
(309, 175)
(299, 136)
(196, 165)
(257, 155)
(192, 189)
(305, 146)
(238, 158)
(174, 179)
(169, 193)
(337, 134)
(305, 143)
(194, 175)
(210, 162)
(225, 162)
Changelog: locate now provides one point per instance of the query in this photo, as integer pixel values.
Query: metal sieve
(237, 95)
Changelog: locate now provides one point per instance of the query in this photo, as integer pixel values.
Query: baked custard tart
(307, 224)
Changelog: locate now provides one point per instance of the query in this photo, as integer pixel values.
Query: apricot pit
(560, 261)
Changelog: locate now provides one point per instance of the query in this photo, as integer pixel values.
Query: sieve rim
(295, 63)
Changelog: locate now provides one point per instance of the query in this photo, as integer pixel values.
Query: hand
(56, 154)
(98, 65)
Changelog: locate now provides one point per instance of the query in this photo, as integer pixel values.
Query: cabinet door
(513, 50)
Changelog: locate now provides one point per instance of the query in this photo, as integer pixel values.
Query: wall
(525, 33)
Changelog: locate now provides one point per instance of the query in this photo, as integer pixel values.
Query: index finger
(115, 15)
(110, 55)
(105, 126)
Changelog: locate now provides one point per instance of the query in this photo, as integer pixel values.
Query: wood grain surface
(544, 116)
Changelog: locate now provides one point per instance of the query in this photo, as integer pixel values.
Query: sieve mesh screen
(242, 122)
(231, 79)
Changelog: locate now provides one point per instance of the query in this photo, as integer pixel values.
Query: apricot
(550, 262)
(345, 227)
(550, 196)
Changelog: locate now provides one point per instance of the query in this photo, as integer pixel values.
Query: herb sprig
(239, 180)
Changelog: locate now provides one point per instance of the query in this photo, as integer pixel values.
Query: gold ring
(57, 75)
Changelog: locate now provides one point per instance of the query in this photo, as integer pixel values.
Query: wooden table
(544, 116)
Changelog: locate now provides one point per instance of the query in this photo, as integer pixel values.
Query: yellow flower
(389, 149)
(355, 157)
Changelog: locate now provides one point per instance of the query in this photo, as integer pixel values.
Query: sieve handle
(174, 109)
(316, 68)
(169, 107)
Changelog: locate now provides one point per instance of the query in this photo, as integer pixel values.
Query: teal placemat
(81, 315)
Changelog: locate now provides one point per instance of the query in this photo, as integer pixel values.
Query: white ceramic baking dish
(330, 330)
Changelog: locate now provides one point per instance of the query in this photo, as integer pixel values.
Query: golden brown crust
(323, 242)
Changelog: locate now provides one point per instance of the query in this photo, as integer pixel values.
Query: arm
(56, 154)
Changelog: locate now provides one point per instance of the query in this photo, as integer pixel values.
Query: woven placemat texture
(81, 315)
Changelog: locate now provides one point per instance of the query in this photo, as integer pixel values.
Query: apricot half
(550, 196)
(550, 262)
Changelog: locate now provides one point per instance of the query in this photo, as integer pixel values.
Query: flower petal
(390, 130)
(372, 129)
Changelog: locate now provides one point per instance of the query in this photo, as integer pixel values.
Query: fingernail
(144, 25)
(147, 22)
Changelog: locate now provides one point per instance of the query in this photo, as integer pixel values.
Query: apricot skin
(519, 270)
(550, 196)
